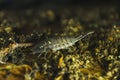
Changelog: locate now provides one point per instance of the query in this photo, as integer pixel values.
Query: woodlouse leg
(45, 55)
(40, 54)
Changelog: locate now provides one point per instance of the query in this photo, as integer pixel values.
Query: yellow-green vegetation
(96, 57)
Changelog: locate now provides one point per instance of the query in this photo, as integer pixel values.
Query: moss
(95, 57)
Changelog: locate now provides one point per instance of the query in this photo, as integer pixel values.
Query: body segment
(57, 43)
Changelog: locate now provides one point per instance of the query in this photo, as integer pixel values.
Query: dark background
(20, 4)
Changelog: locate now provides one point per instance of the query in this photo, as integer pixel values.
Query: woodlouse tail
(83, 36)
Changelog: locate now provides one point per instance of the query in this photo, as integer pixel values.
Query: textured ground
(96, 57)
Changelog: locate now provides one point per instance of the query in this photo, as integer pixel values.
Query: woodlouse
(57, 43)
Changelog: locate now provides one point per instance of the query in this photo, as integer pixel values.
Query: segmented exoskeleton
(57, 43)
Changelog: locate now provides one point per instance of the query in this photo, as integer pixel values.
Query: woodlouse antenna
(24, 44)
(16, 45)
